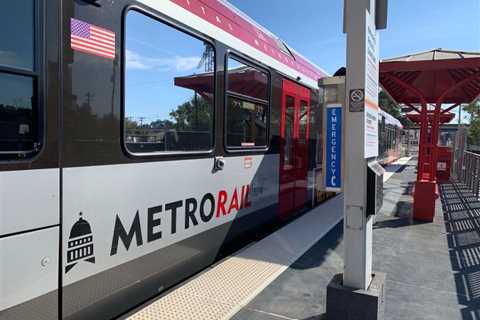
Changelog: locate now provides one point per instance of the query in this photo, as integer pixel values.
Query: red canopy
(437, 76)
(433, 77)
(444, 117)
(242, 80)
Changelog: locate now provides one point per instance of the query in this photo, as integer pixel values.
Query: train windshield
(18, 78)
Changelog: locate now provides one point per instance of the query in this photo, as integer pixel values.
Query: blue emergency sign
(333, 165)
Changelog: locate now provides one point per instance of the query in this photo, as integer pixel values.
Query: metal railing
(469, 172)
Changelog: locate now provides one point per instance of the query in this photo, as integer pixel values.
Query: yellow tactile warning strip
(221, 291)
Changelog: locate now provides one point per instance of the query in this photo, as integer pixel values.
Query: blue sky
(155, 55)
(315, 28)
(312, 27)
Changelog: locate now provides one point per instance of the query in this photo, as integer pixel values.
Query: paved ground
(433, 269)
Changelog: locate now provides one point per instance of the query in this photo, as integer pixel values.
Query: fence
(469, 172)
(474, 148)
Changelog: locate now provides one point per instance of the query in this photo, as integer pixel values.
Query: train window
(302, 133)
(169, 89)
(289, 123)
(17, 48)
(19, 79)
(17, 132)
(247, 98)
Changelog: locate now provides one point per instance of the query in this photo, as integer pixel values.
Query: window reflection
(247, 105)
(446, 138)
(18, 105)
(247, 123)
(169, 88)
(17, 132)
(17, 34)
(302, 134)
(247, 80)
(289, 121)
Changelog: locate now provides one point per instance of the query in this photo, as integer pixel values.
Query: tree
(161, 124)
(130, 124)
(195, 114)
(473, 109)
(389, 106)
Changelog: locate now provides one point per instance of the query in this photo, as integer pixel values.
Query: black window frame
(169, 22)
(37, 75)
(226, 93)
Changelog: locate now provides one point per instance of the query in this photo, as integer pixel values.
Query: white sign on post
(371, 88)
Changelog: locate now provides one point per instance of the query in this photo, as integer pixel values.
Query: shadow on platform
(403, 221)
(462, 221)
(396, 168)
(317, 255)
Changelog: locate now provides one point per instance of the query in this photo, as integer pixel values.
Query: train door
(29, 166)
(294, 133)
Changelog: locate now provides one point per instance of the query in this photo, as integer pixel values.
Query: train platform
(433, 269)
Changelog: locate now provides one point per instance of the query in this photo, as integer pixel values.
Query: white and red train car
(390, 133)
(137, 139)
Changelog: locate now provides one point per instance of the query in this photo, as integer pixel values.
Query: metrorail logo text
(194, 211)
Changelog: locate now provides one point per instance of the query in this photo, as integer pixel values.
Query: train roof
(279, 41)
(389, 119)
(219, 19)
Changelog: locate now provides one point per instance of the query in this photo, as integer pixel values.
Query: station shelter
(431, 84)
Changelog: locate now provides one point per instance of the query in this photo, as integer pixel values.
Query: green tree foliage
(161, 124)
(389, 106)
(195, 114)
(473, 109)
(130, 124)
(474, 128)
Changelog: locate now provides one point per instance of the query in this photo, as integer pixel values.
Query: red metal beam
(444, 117)
(471, 77)
(434, 136)
(407, 86)
(413, 107)
(450, 108)
(453, 74)
(423, 146)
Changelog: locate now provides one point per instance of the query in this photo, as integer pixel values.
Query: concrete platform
(433, 269)
(223, 289)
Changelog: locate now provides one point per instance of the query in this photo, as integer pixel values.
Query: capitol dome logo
(80, 244)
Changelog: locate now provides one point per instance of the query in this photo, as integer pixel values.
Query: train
(138, 139)
(391, 136)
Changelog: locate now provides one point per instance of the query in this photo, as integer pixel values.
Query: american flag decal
(88, 38)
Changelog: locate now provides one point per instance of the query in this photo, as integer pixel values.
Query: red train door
(294, 136)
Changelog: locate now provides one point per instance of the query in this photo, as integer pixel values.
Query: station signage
(371, 87)
(333, 148)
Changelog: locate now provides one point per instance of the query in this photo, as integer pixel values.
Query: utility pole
(460, 114)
